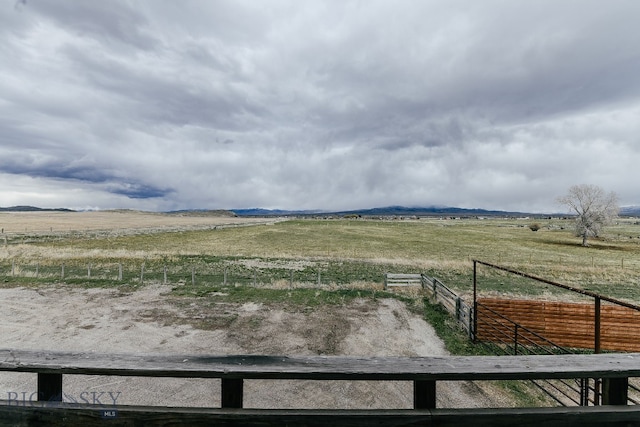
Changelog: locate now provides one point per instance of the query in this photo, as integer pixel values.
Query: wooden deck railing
(425, 372)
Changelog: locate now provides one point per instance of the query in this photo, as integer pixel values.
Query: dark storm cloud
(139, 191)
(326, 104)
(80, 172)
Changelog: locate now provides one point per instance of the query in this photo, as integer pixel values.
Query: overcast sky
(164, 105)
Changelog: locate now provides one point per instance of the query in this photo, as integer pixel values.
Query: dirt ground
(116, 222)
(149, 320)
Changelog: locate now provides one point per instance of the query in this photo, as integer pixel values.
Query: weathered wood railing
(451, 301)
(424, 372)
(403, 279)
(438, 291)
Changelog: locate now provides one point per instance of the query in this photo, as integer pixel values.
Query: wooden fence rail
(424, 372)
(398, 279)
(454, 304)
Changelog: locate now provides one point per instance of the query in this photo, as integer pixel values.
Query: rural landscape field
(341, 251)
(215, 283)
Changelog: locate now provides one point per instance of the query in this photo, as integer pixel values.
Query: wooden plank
(396, 279)
(404, 276)
(325, 367)
(403, 281)
(71, 415)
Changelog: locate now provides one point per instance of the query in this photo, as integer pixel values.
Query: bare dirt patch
(116, 222)
(151, 321)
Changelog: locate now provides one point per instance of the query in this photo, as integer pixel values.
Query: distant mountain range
(413, 211)
(385, 211)
(32, 209)
(630, 211)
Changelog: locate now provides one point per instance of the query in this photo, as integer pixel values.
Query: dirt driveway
(151, 321)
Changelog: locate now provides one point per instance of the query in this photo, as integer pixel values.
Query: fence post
(596, 331)
(291, 279)
(89, 271)
(318, 277)
(224, 283)
(120, 272)
(584, 391)
(62, 273)
(475, 301)
(164, 270)
(37, 269)
(13, 268)
(142, 274)
(599, 386)
(193, 275)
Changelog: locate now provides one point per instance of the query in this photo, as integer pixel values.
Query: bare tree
(593, 208)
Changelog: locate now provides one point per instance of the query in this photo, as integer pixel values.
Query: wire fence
(222, 273)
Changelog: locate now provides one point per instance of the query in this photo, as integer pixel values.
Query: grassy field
(345, 251)
(311, 262)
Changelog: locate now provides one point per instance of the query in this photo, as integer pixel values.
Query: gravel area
(149, 320)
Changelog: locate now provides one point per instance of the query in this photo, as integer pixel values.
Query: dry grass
(119, 222)
(443, 248)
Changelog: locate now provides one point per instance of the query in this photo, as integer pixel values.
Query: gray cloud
(340, 104)
(117, 23)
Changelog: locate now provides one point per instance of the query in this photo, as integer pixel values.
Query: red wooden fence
(566, 324)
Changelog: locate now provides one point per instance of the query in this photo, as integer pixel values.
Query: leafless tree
(593, 208)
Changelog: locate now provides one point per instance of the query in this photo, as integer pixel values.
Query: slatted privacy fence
(566, 324)
(424, 372)
(604, 324)
(515, 326)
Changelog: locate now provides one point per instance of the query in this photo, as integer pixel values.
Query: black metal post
(596, 335)
(475, 302)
